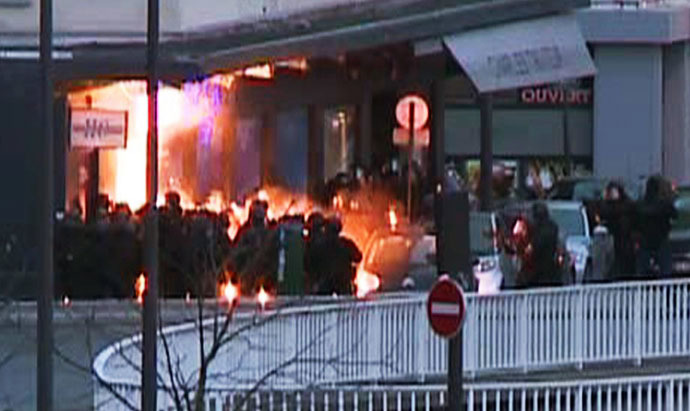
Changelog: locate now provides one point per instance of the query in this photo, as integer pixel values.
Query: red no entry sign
(446, 307)
(421, 111)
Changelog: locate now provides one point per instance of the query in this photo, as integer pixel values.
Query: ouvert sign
(555, 95)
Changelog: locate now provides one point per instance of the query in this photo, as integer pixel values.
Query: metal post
(486, 152)
(44, 352)
(566, 132)
(410, 161)
(443, 232)
(439, 159)
(149, 369)
(92, 187)
(455, 389)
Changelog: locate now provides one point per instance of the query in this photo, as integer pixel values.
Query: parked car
(492, 268)
(590, 249)
(588, 188)
(679, 237)
(405, 258)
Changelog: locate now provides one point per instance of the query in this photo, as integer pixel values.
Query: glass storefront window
(339, 141)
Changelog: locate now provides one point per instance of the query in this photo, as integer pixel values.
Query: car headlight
(408, 283)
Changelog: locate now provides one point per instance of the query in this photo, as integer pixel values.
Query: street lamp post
(44, 353)
(149, 366)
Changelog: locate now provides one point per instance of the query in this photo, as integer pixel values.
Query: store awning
(524, 53)
(369, 25)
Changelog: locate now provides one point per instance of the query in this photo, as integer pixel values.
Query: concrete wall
(628, 93)
(201, 14)
(97, 17)
(676, 145)
(128, 17)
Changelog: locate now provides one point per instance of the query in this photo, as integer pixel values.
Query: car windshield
(570, 221)
(582, 190)
(481, 234)
(588, 190)
(394, 253)
(562, 190)
(388, 254)
(682, 204)
(423, 251)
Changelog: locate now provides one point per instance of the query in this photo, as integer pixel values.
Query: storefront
(222, 138)
(546, 128)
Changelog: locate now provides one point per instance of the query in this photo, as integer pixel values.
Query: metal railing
(391, 339)
(633, 4)
(665, 392)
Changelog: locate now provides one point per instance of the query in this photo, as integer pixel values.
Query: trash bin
(291, 260)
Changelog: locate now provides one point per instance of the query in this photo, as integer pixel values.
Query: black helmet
(334, 225)
(257, 212)
(315, 220)
(172, 198)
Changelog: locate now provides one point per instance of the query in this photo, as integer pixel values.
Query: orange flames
(230, 292)
(263, 298)
(338, 202)
(180, 111)
(140, 288)
(215, 202)
(366, 282)
(392, 219)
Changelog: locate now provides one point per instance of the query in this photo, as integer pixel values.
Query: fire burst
(392, 219)
(230, 292)
(215, 202)
(140, 287)
(366, 282)
(263, 298)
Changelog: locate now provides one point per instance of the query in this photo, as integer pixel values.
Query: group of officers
(290, 255)
(312, 253)
(640, 231)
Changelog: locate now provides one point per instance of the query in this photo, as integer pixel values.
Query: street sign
(446, 307)
(98, 128)
(421, 111)
(401, 137)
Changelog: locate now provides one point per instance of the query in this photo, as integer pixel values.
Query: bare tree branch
(168, 358)
(110, 387)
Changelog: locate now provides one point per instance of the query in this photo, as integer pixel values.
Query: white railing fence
(390, 339)
(660, 393)
(634, 4)
(535, 329)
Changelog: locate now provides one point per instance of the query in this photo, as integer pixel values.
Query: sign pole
(93, 188)
(44, 325)
(446, 308)
(149, 363)
(455, 366)
(566, 135)
(410, 154)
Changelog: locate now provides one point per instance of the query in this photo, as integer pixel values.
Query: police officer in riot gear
(314, 231)
(335, 259)
(254, 257)
(544, 248)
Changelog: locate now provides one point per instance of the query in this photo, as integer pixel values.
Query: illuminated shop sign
(555, 95)
(98, 129)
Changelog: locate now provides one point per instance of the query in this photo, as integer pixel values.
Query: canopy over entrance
(524, 53)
